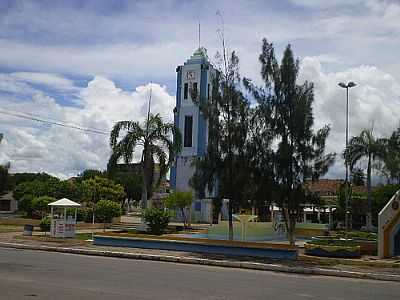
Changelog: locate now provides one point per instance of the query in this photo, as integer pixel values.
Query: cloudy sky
(90, 63)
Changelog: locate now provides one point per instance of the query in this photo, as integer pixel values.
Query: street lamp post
(347, 214)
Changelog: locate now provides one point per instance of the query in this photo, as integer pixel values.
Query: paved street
(40, 275)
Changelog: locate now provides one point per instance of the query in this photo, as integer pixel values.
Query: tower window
(194, 91)
(208, 92)
(185, 91)
(188, 131)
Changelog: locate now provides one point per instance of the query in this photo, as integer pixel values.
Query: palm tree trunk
(143, 201)
(369, 196)
(145, 176)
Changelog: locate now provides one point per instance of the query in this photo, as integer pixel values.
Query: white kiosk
(62, 224)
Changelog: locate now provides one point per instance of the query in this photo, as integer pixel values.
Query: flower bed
(366, 240)
(333, 248)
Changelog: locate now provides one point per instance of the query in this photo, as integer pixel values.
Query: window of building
(197, 206)
(194, 91)
(185, 91)
(208, 92)
(5, 205)
(188, 131)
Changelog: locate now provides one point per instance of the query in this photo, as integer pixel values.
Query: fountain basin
(198, 245)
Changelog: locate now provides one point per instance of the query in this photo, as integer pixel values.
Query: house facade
(7, 203)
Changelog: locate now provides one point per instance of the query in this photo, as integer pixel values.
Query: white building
(195, 75)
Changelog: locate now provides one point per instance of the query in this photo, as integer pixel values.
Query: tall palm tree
(367, 146)
(154, 137)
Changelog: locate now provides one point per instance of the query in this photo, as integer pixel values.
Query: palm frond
(129, 126)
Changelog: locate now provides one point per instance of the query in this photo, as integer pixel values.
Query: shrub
(157, 220)
(45, 224)
(181, 201)
(106, 210)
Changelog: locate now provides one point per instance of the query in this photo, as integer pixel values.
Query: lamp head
(341, 84)
(351, 84)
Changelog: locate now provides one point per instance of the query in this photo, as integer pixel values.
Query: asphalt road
(28, 274)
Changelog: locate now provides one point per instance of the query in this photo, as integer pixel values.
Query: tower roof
(199, 56)
(200, 52)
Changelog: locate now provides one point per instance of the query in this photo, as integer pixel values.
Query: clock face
(191, 75)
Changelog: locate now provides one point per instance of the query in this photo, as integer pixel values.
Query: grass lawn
(83, 236)
(11, 228)
(372, 236)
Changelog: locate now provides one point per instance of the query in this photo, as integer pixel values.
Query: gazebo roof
(64, 203)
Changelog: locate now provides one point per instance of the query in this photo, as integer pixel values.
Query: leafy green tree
(366, 146)
(26, 177)
(181, 201)
(90, 174)
(49, 186)
(391, 160)
(25, 204)
(4, 178)
(154, 136)
(132, 183)
(299, 155)
(40, 205)
(106, 210)
(260, 155)
(34, 188)
(70, 190)
(223, 168)
(100, 188)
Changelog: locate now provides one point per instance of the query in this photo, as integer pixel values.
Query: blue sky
(91, 62)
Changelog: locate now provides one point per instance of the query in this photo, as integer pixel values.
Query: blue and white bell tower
(195, 75)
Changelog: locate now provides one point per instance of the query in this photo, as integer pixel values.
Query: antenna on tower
(199, 35)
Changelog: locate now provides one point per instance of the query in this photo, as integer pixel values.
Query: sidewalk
(363, 268)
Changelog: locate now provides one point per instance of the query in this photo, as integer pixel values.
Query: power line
(51, 119)
(55, 122)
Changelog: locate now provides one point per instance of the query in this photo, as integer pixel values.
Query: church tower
(194, 77)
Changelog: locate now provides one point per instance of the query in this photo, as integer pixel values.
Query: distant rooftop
(329, 187)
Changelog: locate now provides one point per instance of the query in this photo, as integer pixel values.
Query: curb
(209, 262)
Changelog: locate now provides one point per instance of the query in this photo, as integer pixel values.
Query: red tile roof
(329, 187)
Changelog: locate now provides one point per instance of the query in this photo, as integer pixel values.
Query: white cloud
(51, 80)
(339, 40)
(373, 103)
(64, 152)
(25, 83)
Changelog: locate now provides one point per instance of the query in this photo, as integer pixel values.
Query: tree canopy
(365, 145)
(154, 137)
